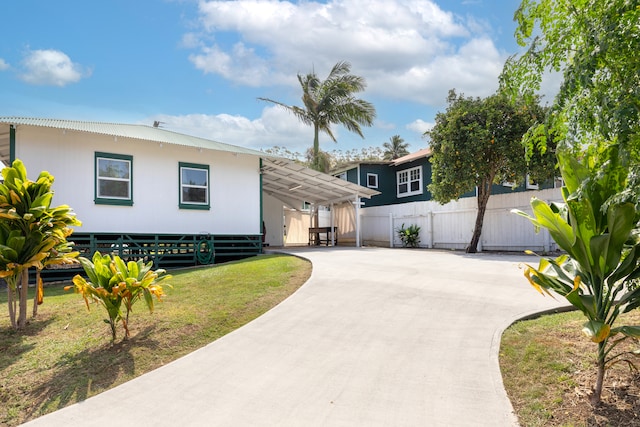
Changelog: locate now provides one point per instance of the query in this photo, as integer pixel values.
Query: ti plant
(598, 231)
(410, 236)
(32, 234)
(113, 283)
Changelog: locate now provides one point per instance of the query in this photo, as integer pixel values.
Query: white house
(177, 199)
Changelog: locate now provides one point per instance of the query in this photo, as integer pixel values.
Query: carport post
(333, 232)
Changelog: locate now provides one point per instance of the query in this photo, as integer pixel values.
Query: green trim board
(199, 186)
(261, 225)
(113, 173)
(12, 143)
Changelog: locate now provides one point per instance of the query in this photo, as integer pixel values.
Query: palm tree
(321, 161)
(395, 148)
(331, 101)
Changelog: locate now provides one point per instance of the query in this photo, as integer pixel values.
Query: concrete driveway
(376, 337)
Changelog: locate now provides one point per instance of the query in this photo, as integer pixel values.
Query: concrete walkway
(376, 337)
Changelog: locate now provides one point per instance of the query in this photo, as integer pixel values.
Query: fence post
(430, 230)
(391, 229)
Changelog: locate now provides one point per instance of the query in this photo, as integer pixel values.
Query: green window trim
(122, 182)
(194, 189)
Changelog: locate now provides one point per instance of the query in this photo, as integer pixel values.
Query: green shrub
(410, 236)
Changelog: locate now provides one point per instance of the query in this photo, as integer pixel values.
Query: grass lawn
(65, 354)
(548, 369)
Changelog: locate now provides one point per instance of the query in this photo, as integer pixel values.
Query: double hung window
(409, 182)
(194, 186)
(113, 179)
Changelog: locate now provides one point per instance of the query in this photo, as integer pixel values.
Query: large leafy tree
(395, 148)
(32, 234)
(595, 46)
(331, 101)
(477, 143)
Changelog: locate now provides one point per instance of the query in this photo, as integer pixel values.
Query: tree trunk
(11, 299)
(597, 391)
(315, 162)
(484, 191)
(24, 289)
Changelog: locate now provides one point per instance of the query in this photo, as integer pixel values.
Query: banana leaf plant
(598, 231)
(32, 233)
(113, 284)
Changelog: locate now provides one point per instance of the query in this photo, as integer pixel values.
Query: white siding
(273, 216)
(69, 156)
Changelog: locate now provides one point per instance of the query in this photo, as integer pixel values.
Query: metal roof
(288, 181)
(142, 132)
(282, 178)
(425, 152)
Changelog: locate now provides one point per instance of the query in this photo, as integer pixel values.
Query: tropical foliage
(477, 143)
(395, 148)
(337, 158)
(331, 101)
(601, 239)
(409, 236)
(595, 46)
(32, 234)
(113, 283)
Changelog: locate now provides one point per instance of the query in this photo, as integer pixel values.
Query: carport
(294, 184)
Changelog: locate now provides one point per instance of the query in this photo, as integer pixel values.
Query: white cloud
(407, 50)
(241, 65)
(3, 65)
(51, 67)
(420, 126)
(275, 127)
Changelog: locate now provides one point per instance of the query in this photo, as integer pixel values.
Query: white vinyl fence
(451, 226)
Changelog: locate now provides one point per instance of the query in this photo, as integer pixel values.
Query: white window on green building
(372, 180)
(409, 182)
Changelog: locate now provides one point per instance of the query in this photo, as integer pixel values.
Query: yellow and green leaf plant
(32, 234)
(597, 228)
(114, 284)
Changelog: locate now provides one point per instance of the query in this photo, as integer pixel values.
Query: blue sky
(199, 66)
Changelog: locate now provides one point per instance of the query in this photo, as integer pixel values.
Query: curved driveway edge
(376, 337)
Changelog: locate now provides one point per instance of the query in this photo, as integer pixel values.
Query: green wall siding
(352, 175)
(388, 187)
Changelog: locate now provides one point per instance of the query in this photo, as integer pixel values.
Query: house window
(558, 182)
(342, 175)
(114, 179)
(372, 180)
(194, 186)
(409, 182)
(531, 183)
